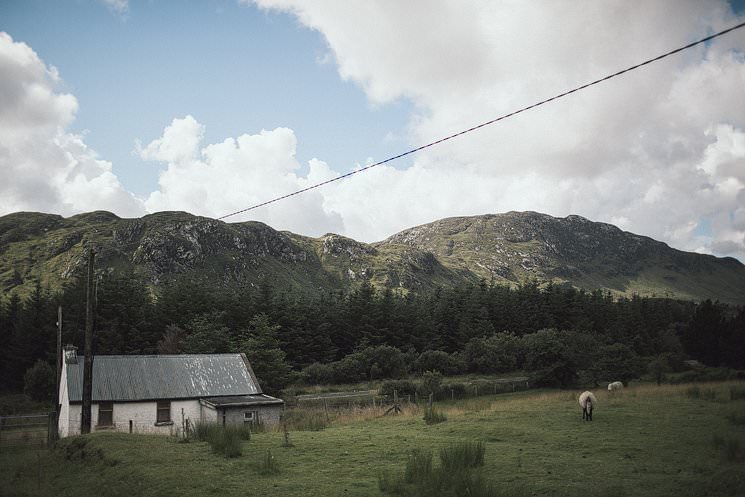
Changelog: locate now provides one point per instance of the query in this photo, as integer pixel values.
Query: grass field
(644, 441)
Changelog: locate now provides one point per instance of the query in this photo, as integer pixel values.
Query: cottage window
(250, 417)
(164, 411)
(106, 414)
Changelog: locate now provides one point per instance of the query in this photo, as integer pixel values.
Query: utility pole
(85, 425)
(59, 354)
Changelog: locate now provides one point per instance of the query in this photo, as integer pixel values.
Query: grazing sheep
(588, 402)
(616, 385)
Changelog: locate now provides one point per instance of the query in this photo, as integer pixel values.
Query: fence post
(52, 433)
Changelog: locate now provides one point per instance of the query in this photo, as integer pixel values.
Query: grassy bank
(644, 441)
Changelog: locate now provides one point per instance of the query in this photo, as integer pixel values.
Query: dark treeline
(298, 330)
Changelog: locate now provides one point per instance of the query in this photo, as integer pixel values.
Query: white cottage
(162, 393)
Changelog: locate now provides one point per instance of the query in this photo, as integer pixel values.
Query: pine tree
(261, 345)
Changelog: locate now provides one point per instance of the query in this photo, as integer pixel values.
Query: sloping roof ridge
(164, 356)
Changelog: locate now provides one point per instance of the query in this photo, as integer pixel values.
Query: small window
(164, 411)
(106, 414)
(250, 417)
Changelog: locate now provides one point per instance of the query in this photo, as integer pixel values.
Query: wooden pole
(85, 425)
(59, 356)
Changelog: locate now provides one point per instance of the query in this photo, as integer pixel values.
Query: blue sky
(234, 68)
(142, 105)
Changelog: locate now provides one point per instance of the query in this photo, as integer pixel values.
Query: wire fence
(28, 431)
(373, 398)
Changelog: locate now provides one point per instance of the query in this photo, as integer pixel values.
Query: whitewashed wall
(268, 415)
(142, 415)
(63, 422)
(209, 414)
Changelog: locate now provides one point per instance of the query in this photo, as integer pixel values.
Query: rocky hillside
(507, 248)
(518, 246)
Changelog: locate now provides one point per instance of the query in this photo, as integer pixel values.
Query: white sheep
(616, 385)
(588, 402)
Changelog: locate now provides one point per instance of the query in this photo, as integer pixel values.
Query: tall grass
(732, 449)
(736, 418)
(418, 467)
(736, 392)
(462, 456)
(729, 445)
(268, 464)
(458, 475)
(696, 392)
(223, 440)
(305, 419)
(433, 416)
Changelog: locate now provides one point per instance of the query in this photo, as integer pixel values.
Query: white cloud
(118, 6)
(218, 178)
(659, 148)
(42, 166)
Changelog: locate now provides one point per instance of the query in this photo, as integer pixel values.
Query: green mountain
(509, 248)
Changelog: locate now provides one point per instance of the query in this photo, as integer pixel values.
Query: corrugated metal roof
(148, 377)
(242, 400)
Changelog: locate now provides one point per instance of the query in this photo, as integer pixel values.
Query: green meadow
(682, 440)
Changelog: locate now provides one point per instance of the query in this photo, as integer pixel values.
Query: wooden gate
(28, 431)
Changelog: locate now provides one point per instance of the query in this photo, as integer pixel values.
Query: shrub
(547, 354)
(431, 382)
(618, 362)
(403, 387)
(437, 360)
(710, 374)
(497, 353)
(462, 455)
(432, 416)
(659, 367)
(40, 381)
(223, 440)
(318, 374)
(349, 370)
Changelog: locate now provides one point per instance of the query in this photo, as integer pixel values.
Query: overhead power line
(487, 123)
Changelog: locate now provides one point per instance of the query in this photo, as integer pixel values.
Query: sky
(213, 106)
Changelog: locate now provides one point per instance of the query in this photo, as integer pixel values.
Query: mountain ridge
(510, 248)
